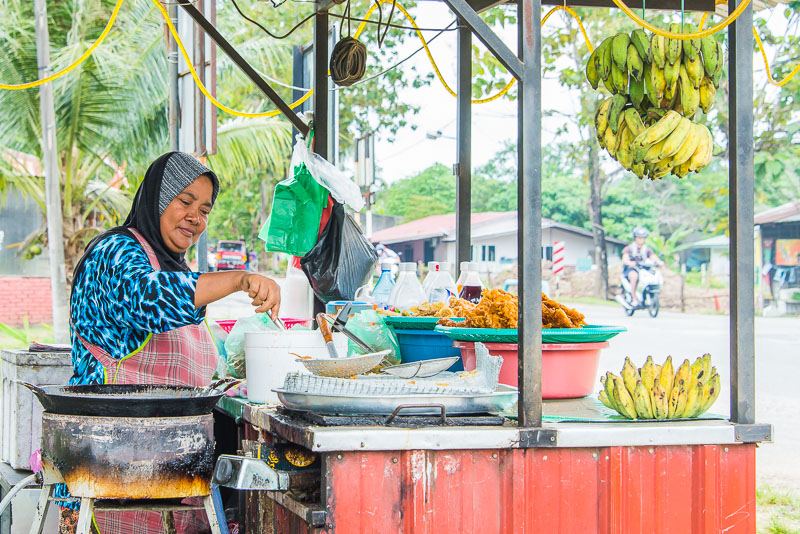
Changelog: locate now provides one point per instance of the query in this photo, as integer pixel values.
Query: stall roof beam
(463, 169)
(671, 5)
(240, 62)
(740, 186)
(483, 32)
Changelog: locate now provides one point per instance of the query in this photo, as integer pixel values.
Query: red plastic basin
(569, 370)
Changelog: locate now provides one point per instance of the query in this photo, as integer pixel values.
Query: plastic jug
(407, 291)
(426, 282)
(441, 287)
(383, 289)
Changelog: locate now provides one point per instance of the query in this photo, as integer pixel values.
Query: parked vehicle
(231, 255)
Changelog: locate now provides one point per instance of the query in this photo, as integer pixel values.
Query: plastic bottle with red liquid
(469, 284)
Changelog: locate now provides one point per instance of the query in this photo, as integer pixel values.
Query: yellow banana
(671, 73)
(662, 168)
(601, 117)
(658, 47)
(619, 50)
(641, 401)
(697, 372)
(667, 375)
(670, 94)
(675, 140)
(694, 68)
(690, 97)
(608, 386)
(706, 366)
(605, 400)
(658, 131)
(713, 393)
(621, 129)
(702, 155)
(659, 83)
(708, 94)
(683, 372)
(634, 122)
(672, 405)
(625, 399)
(661, 406)
(648, 374)
(610, 141)
(693, 400)
(638, 169)
(683, 398)
(648, 154)
(688, 147)
(630, 375)
(625, 150)
(682, 170)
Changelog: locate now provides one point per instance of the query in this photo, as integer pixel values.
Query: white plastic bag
(343, 190)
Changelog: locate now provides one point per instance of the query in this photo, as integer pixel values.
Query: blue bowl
(417, 345)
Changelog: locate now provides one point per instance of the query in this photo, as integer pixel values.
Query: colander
(344, 367)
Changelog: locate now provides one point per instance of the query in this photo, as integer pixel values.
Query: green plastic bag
(293, 225)
(370, 328)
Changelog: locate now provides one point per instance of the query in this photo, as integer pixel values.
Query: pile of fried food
(429, 309)
(498, 309)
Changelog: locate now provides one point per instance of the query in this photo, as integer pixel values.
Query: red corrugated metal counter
(637, 478)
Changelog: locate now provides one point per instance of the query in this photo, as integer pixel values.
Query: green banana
(638, 169)
(641, 401)
(649, 85)
(694, 68)
(690, 97)
(659, 83)
(636, 92)
(691, 48)
(674, 46)
(711, 55)
(635, 125)
(708, 94)
(608, 385)
(602, 59)
(619, 50)
(671, 74)
(635, 63)
(658, 50)
(592, 75)
(619, 80)
(640, 40)
(601, 117)
(617, 104)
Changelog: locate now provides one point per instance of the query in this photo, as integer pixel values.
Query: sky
(493, 123)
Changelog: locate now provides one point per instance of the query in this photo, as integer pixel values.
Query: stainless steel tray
(500, 400)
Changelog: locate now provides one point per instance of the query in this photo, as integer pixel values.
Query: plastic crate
(416, 345)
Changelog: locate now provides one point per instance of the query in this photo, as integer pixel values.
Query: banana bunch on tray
(656, 78)
(661, 392)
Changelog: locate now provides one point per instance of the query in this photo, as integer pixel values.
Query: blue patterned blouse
(118, 299)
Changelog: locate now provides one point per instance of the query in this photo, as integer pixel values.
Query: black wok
(128, 400)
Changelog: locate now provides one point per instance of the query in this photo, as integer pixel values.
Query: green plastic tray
(414, 323)
(587, 334)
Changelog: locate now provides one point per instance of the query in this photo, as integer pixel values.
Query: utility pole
(172, 59)
(200, 126)
(52, 179)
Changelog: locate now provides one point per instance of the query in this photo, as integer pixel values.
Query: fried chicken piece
(449, 322)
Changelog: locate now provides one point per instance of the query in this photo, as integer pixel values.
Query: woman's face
(187, 215)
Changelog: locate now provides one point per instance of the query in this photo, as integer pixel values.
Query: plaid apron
(186, 356)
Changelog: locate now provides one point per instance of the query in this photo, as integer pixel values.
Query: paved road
(688, 336)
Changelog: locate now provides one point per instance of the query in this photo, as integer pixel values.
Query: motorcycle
(648, 290)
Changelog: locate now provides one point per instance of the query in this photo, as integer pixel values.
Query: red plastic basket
(569, 370)
(227, 324)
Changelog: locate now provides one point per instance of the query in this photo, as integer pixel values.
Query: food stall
(558, 466)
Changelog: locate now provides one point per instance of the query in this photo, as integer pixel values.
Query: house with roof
(777, 244)
(494, 241)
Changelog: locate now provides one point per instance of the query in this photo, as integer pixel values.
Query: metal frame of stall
(525, 66)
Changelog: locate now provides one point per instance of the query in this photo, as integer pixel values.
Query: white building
(494, 241)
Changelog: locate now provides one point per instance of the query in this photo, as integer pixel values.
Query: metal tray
(500, 400)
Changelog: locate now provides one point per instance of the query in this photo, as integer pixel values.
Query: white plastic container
(267, 359)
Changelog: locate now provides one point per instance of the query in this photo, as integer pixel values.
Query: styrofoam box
(20, 411)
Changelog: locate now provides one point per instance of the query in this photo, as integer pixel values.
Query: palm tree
(111, 114)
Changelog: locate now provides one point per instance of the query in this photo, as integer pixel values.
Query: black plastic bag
(342, 260)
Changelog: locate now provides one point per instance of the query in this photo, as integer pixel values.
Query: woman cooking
(137, 311)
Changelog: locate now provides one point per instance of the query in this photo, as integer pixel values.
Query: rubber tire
(654, 306)
(629, 311)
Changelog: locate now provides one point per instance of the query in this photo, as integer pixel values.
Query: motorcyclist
(635, 254)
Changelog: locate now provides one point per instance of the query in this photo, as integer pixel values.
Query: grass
(20, 338)
(695, 279)
(777, 511)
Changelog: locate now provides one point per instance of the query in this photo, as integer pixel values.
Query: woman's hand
(264, 291)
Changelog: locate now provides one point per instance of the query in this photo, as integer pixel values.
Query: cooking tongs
(339, 324)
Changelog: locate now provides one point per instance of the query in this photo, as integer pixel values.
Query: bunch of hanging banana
(660, 391)
(657, 85)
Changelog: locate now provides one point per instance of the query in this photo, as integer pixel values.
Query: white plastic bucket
(267, 358)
